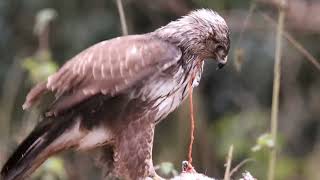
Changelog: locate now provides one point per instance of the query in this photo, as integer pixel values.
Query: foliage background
(232, 105)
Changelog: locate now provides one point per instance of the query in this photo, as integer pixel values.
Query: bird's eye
(219, 48)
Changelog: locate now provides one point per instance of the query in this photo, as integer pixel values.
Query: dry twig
(295, 43)
(235, 169)
(245, 23)
(275, 94)
(122, 18)
(227, 174)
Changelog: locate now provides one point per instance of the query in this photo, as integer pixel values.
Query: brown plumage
(111, 95)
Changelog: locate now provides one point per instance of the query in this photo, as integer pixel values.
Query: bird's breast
(165, 91)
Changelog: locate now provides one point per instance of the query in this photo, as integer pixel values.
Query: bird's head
(203, 33)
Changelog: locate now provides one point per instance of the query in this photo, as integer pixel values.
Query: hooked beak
(222, 62)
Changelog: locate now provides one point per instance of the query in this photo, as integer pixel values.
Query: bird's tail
(46, 139)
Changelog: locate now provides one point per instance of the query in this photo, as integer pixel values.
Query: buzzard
(111, 95)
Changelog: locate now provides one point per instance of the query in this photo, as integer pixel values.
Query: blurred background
(232, 106)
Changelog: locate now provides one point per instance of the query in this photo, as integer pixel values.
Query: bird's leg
(103, 157)
(133, 150)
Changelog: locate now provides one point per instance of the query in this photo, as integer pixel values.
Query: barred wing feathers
(109, 67)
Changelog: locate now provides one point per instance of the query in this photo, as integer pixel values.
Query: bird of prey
(111, 95)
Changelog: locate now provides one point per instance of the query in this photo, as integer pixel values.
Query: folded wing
(109, 67)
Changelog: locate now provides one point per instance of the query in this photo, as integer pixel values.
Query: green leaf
(40, 66)
(263, 141)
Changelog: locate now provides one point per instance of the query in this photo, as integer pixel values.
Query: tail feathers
(36, 148)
